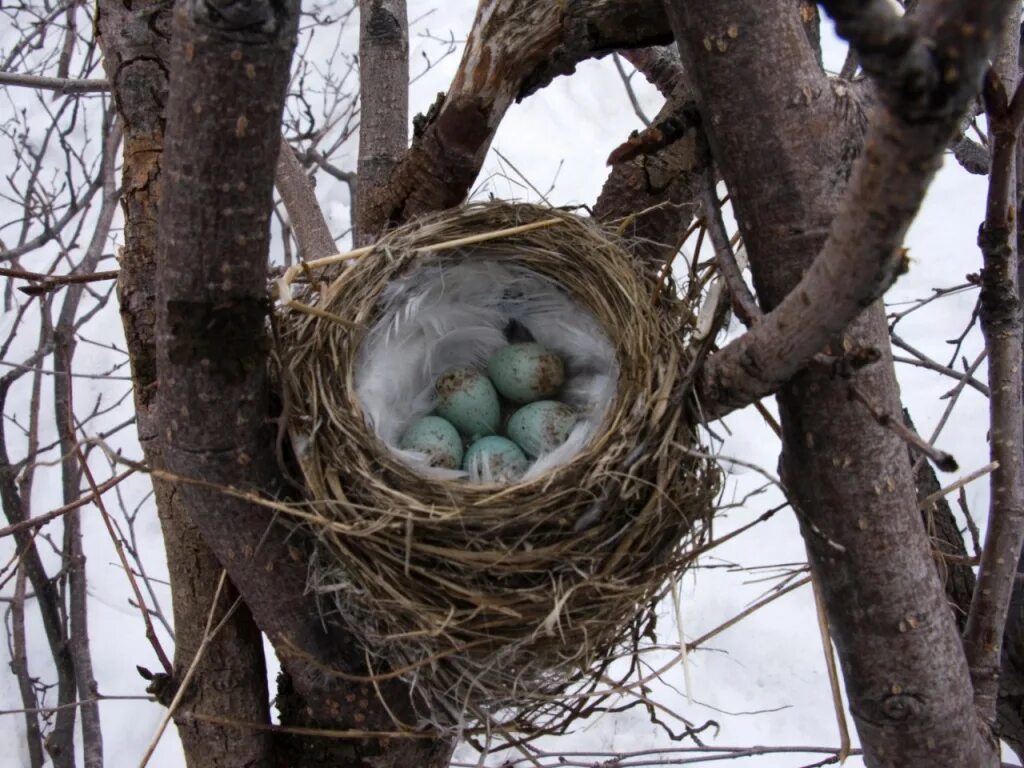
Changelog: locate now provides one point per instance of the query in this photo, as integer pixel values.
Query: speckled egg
(494, 459)
(466, 397)
(526, 372)
(540, 427)
(437, 438)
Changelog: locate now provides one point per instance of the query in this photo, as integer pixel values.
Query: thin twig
(922, 360)
(76, 704)
(628, 84)
(19, 666)
(322, 732)
(44, 283)
(209, 634)
(743, 302)
(743, 614)
(81, 501)
(941, 459)
(954, 394)
(63, 85)
(965, 480)
(830, 666)
(522, 176)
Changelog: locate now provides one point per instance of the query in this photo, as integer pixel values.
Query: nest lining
(441, 317)
(501, 606)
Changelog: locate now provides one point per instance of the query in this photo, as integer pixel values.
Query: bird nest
(501, 605)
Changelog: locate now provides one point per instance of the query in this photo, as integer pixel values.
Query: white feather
(441, 317)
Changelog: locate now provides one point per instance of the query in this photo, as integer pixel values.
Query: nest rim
(385, 532)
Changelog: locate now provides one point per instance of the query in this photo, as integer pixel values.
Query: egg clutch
(483, 372)
(492, 423)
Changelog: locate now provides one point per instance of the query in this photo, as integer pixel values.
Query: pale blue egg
(540, 427)
(494, 459)
(466, 397)
(526, 372)
(437, 438)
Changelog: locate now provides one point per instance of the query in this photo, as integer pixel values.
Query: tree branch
(514, 49)
(861, 257)
(212, 353)
(1001, 325)
(783, 135)
(65, 86)
(654, 196)
(743, 302)
(630, 93)
(74, 555)
(889, 47)
(60, 741)
(384, 103)
(19, 666)
(304, 212)
(231, 678)
(661, 66)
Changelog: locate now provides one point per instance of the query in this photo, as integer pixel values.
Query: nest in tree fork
(501, 606)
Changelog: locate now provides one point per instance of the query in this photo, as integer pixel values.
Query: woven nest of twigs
(491, 601)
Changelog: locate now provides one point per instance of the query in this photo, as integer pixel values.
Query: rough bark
(850, 481)
(1010, 707)
(231, 679)
(1000, 315)
(655, 195)
(514, 48)
(211, 361)
(304, 214)
(383, 102)
(952, 560)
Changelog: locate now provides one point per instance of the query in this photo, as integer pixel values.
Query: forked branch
(514, 49)
(862, 256)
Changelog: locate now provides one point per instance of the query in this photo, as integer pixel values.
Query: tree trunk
(232, 69)
(230, 680)
(849, 480)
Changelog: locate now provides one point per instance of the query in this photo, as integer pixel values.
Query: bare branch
(941, 459)
(513, 50)
(384, 102)
(46, 283)
(304, 212)
(847, 477)
(923, 361)
(862, 256)
(19, 666)
(40, 520)
(1002, 327)
(660, 65)
(743, 302)
(16, 507)
(65, 86)
(628, 85)
(135, 39)
(887, 45)
(653, 197)
(51, 231)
